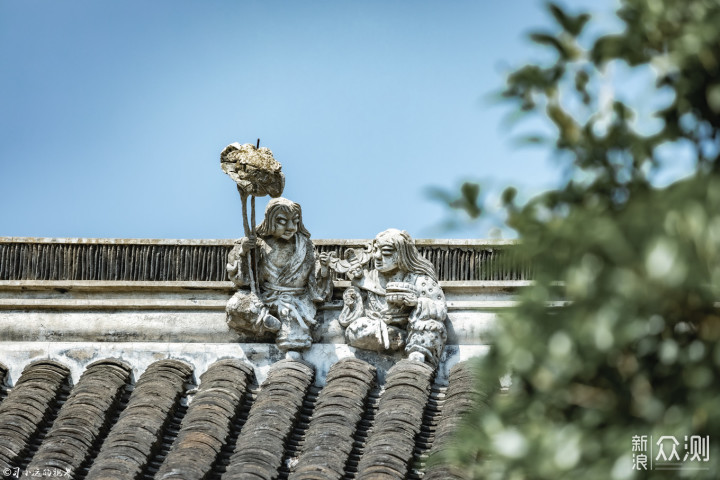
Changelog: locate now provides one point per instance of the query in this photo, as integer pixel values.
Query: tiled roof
(461, 396)
(227, 427)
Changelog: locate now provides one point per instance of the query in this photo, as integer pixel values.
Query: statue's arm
(431, 303)
(321, 284)
(237, 265)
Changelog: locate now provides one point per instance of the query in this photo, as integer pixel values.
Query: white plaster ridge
(139, 355)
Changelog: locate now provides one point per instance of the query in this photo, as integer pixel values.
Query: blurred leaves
(636, 351)
(468, 201)
(571, 24)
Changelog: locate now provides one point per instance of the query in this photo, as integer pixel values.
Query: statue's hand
(428, 309)
(325, 259)
(402, 298)
(410, 299)
(232, 268)
(355, 273)
(247, 244)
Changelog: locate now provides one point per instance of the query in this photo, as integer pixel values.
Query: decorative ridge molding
(148, 260)
(353, 242)
(223, 286)
(116, 241)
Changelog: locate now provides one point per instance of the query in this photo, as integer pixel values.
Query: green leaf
(545, 39)
(607, 48)
(470, 191)
(508, 195)
(439, 194)
(571, 24)
(713, 97)
(469, 200)
(564, 49)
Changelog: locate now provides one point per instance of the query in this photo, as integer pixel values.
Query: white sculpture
(398, 304)
(276, 260)
(290, 280)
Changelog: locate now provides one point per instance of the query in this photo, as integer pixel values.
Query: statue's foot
(417, 357)
(293, 355)
(271, 323)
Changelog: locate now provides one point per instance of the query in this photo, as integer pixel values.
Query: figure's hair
(408, 256)
(276, 206)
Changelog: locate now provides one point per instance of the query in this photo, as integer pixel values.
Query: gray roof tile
(287, 428)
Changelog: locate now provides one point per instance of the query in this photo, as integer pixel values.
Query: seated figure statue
(289, 279)
(398, 304)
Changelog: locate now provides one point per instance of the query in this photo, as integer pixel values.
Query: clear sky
(113, 114)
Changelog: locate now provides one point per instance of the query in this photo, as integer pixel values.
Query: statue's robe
(289, 289)
(384, 327)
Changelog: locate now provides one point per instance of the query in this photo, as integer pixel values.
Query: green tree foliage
(636, 350)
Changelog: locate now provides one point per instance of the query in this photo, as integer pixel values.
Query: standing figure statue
(398, 304)
(289, 280)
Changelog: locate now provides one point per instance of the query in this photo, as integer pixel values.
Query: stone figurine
(256, 173)
(398, 304)
(290, 279)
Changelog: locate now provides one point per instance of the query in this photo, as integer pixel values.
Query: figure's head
(351, 295)
(283, 218)
(395, 250)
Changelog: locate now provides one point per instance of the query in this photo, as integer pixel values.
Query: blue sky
(113, 114)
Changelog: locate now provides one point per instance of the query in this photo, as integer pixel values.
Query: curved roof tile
(84, 417)
(28, 407)
(207, 423)
(261, 444)
(339, 409)
(463, 394)
(139, 430)
(391, 443)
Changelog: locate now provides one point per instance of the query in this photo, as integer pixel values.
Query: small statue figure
(398, 304)
(353, 306)
(289, 280)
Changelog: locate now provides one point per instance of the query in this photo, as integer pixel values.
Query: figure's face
(385, 256)
(286, 225)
